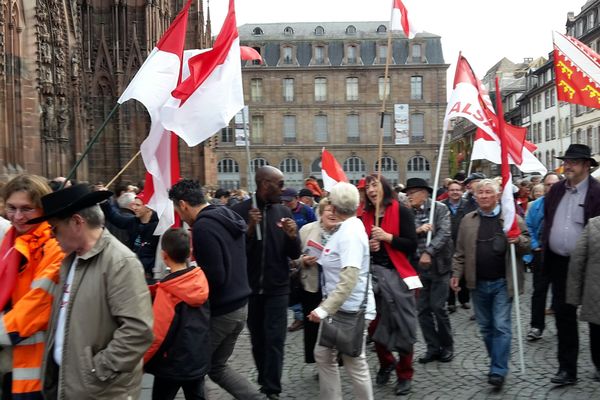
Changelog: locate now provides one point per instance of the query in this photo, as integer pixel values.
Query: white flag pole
(250, 171)
(513, 261)
(436, 181)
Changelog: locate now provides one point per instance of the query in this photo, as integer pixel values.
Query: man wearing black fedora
(101, 320)
(433, 262)
(568, 206)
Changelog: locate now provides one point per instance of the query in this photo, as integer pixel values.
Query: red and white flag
(469, 99)
(212, 94)
(331, 171)
(577, 71)
(400, 20)
(152, 86)
(511, 227)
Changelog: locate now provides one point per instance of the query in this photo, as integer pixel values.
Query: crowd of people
(92, 297)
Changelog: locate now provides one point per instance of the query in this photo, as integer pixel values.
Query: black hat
(289, 194)
(579, 152)
(68, 201)
(417, 183)
(305, 192)
(222, 192)
(474, 176)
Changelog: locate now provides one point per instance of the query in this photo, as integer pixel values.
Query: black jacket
(142, 240)
(457, 217)
(219, 242)
(268, 268)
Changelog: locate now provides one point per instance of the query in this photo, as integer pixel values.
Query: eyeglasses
(23, 210)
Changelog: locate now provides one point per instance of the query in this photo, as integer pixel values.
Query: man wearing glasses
(568, 206)
(269, 274)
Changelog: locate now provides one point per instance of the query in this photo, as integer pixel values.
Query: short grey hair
(93, 216)
(125, 199)
(488, 182)
(345, 198)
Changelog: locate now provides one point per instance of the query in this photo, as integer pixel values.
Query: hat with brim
(66, 202)
(417, 183)
(579, 152)
(475, 176)
(289, 194)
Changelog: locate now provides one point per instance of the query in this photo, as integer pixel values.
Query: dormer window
(352, 54)
(381, 29)
(257, 31)
(351, 30)
(287, 55)
(319, 31)
(288, 31)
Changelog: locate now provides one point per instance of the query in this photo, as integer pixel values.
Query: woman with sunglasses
(30, 259)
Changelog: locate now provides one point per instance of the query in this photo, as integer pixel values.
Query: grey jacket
(108, 327)
(583, 280)
(440, 247)
(464, 262)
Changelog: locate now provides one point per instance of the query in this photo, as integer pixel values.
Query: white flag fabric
(400, 20)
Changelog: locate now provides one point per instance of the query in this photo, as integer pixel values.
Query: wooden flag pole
(381, 125)
(90, 144)
(123, 169)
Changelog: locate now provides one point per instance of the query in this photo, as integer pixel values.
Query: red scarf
(391, 224)
(9, 266)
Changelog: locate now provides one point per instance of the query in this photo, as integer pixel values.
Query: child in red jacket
(180, 353)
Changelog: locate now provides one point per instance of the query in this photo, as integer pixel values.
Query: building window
(540, 134)
(381, 29)
(257, 129)
(289, 129)
(228, 166)
(351, 30)
(321, 128)
(352, 89)
(257, 163)
(416, 53)
(548, 159)
(288, 55)
(288, 89)
(553, 160)
(552, 128)
(417, 128)
(290, 166)
(579, 28)
(256, 89)
(227, 135)
(319, 31)
(416, 87)
(382, 53)
(590, 137)
(546, 132)
(259, 51)
(547, 97)
(288, 31)
(352, 54)
(320, 89)
(388, 165)
(384, 87)
(552, 97)
(257, 31)
(352, 128)
(387, 128)
(591, 21)
(319, 56)
(418, 164)
(355, 168)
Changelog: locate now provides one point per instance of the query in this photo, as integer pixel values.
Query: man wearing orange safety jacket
(30, 258)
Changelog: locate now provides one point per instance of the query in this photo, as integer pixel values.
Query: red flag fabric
(249, 54)
(152, 86)
(577, 72)
(331, 170)
(400, 19)
(511, 228)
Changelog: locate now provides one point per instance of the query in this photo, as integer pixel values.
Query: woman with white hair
(346, 288)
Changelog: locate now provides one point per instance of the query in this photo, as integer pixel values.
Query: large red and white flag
(577, 71)
(400, 21)
(469, 99)
(486, 148)
(212, 94)
(152, 86)
(511, 227)
(331, 171)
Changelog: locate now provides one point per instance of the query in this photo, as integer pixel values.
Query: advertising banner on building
(242, 127)
(401, 127)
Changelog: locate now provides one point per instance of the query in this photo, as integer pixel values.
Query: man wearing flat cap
(101, 320)
(568, 207)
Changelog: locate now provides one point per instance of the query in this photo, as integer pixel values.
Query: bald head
(269, 182)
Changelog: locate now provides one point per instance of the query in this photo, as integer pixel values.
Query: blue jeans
(492, 310)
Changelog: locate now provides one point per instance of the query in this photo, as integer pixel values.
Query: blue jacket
(534, 220)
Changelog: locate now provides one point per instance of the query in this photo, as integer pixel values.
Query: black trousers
(556, 266)
(166, 389)
(267, 323)
(595, 344)
(541, 284)
(309, 302)
(463, 294)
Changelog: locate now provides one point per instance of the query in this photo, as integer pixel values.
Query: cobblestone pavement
(463, 378)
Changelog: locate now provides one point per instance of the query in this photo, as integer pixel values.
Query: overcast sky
(484, 30)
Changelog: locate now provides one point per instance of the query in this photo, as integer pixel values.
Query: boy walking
(179, 355)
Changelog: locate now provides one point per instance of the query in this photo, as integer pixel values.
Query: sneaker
(451, 309)
(496, 380)
(402, 387)
(296, 326)
(383, 375)
(534, 334)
